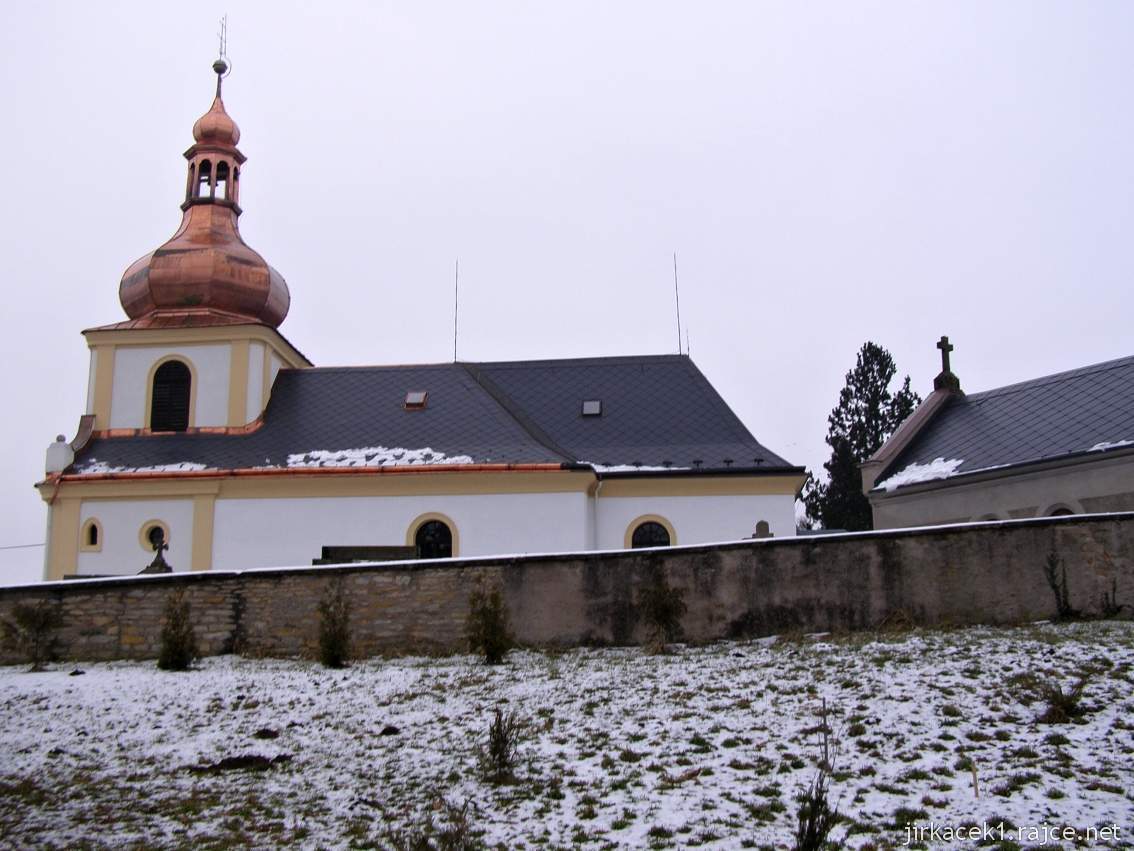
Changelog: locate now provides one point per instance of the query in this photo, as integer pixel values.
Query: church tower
(200, 348)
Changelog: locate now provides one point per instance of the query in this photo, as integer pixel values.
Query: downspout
(595, 513)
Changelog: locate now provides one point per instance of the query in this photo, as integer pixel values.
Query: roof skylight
(592, 407)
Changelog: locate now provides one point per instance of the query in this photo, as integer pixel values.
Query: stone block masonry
(991, 573)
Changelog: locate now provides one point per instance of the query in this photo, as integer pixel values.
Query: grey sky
(827, 172)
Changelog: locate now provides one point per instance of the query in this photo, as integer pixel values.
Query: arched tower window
(91, 539)
(649, 534)
(204, 179)
(434, 539)
(169, 402)
(222, 180)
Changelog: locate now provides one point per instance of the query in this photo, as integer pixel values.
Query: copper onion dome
(205, 274)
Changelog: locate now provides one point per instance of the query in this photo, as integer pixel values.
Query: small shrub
(487, 625)
(334, 627)
(178, 643)
(1063, 706)
(32, 631)
(498, 757)
(453, 832)
(816, 816)
(661, 608)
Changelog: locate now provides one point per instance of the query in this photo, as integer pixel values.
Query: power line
(21, 546)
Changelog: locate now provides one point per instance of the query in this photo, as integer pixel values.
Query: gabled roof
(659, 413)
(1086, 412)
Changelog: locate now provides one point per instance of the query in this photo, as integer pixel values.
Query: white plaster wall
(282, 532)
(274, 366)
(121, 521)
(132, 366)
(255, 403)
(91, 381)
(696, 519)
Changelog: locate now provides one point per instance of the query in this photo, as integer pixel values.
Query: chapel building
(211, 438)
(1050, 446)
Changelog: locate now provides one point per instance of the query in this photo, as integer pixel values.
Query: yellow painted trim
(628, 538)
(284, 486)
(111, 490)
(84, 533)
(238, 383)
(189, 336)
(203, 513)
(192, 388)
(104, 385)
(787, 485)
(63, 556)
(418, 522)
(144, 530)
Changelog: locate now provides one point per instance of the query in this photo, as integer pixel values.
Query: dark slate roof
(656, 410)
(1040, 420)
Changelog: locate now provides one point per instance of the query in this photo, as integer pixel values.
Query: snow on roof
(1107, 444)
(374, 456)
(938, 468)
(631, 468)
(94, 466)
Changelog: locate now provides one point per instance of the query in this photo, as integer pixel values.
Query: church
(212, 439)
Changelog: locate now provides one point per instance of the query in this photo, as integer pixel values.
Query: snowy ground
(706, 747)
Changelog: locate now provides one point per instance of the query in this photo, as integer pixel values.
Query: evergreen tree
(866, 415)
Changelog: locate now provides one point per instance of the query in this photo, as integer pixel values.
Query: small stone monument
(156, 536)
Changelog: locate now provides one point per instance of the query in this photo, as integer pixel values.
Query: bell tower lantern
(214, 161)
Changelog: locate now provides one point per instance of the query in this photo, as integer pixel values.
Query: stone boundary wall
(991, 573)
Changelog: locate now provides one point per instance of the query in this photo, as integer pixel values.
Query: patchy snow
(374, 456)
(938, 468)
(1106, 444)
(630, 468)
(93, 465)
(708, 746)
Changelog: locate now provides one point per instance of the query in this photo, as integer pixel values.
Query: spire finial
(221, 66)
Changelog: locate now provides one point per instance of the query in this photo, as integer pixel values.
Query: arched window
(1062, 511)
(204, 178)
(434, 539)
(91, 538)
(649, 534)
(169, 402)
(222, 180)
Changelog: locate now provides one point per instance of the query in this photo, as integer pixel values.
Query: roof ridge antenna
(456, 290)
(677, 300)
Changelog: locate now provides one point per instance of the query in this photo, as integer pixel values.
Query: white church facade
(207, 432)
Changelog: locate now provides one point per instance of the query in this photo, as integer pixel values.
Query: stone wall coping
(189, 577)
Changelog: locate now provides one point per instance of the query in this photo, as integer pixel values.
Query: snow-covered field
(705, 747)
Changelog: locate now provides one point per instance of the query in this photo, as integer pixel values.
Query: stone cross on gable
(946, 381)
(945, 347)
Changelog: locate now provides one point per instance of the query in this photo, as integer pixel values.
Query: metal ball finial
(220, 67)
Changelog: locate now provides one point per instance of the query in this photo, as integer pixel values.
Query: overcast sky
(827, 173)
